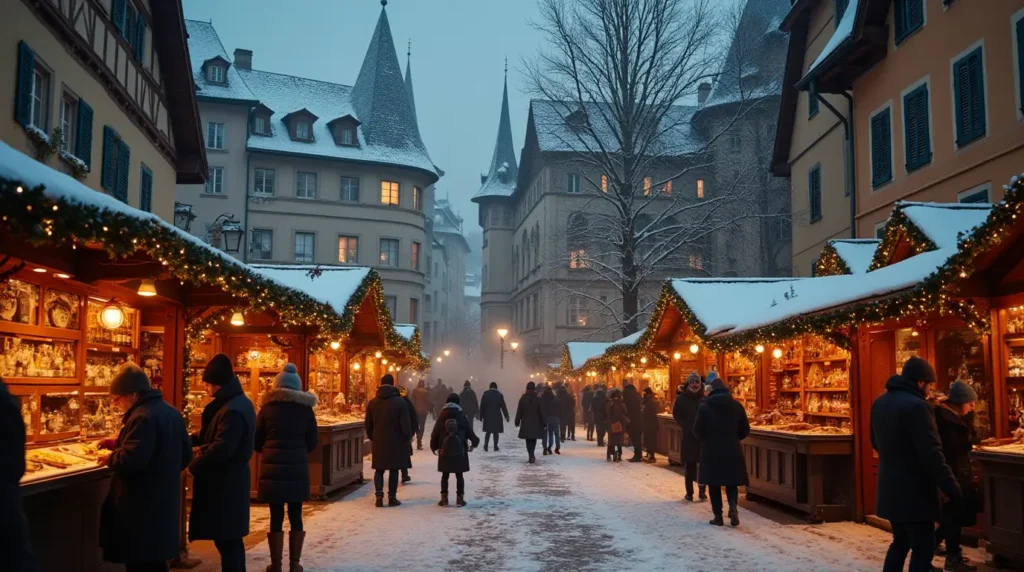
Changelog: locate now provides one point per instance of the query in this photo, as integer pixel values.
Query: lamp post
(502, 332)
(225, 225)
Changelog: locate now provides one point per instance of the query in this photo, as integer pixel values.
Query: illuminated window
(576, 312)
(700, 188)
(389, 193)
(667, 189)
(604, 183)
(647, 186)
(348, 249)
(696, 262)
(578, 258)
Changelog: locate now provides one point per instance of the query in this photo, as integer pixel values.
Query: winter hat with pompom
(288, 378)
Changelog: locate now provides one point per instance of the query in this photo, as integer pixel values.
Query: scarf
(226, 392)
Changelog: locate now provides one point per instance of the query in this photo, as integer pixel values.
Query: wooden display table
(670, 439)
(338, 461)
(811, 473)
(1002, 475)
(63, 513)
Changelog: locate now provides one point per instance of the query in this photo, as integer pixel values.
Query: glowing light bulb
(335, 345)
(777, 353)
(759, 349)
(694, 348)
(237, 319)
(112, 316)
(147, 288)
(676, 356)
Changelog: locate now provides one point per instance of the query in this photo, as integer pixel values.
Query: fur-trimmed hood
(289, 396)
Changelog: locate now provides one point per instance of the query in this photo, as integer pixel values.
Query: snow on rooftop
(581, 352)
(555, 132)
(204, 44)
(944, 222)
(628, 340)
(472, 291)
(335, 286)
(407, 331)
(857, 253)
(843, 31)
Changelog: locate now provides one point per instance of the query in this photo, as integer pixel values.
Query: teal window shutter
(83, 134)
(23, 95)
(915, 127)
(146, 190)
(109, 176)
(814, 190)
(969, 98)
(1020, 62)
(123, 162)
(812, 99)
(140, 37)
(117, 13)
(881, 148)
(908, 16)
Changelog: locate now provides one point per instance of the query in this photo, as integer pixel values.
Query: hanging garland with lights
(830, 263)
(195, 330)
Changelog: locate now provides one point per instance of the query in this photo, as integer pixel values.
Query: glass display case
(152, 357)
(101, 366)
(59, 414)
(29, 357)
(29, 409)
(99, 418)
(19, 302)
(741, 378)
(908, 345)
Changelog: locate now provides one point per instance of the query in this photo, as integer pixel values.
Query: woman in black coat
(530, 419)
(954, 419)
(618, 421)
(688, 400)
(552, 418)
(721, 424)
(286, 434)
(567, 403)
(635, 429)
(598, 407)
(446, 465)
(220, 466)
(492, 412)
(650, 423)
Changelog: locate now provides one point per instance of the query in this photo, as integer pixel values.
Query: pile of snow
(843, 33)
(335, 286)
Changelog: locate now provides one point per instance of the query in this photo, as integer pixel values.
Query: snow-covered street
(571, 511)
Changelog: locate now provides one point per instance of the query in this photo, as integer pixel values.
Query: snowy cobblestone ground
(568, 512)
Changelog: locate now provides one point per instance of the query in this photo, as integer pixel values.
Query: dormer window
(348, 136)
(300, 125)
(302, 130)
(260, 124)
(345, 130)
(215, 70)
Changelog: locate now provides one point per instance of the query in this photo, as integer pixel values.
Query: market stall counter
(1002, 477)
(670, 439)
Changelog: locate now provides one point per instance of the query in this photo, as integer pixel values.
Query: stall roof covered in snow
(335, 286)
(204, 45)
(500, 180)
(942, 224)
(857, 253)
(407, 331)
(582, 352)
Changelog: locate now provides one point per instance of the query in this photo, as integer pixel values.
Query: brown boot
(276, 542)
(295, 540)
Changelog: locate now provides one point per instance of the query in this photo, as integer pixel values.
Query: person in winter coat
(552, 417)
(414, 421)
(618, 420)
(650, 424)
(469, 403)
(220, 465)
(452, 440)
(635, 428)
(954, 419)
(586, 399)
(421, 401)
(492, 409)
(530, 419)
(567, 403)
(721, 424)
(911, 466)
(599, 409)
(389, 429)
(684, 411)
(15, 542)
(286, 434)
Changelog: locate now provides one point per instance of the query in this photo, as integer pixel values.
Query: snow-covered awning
(913, 228)
(335, 286)
(846, 256)
(407, 331)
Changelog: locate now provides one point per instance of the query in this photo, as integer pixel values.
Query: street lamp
(502, 332)
(447, 353)
(183, 216)
(228, 227)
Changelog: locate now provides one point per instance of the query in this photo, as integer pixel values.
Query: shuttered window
(881, 148)
(814, 190)
(26, 77)
(908, 16)
(83, 134)
(917, 140)
(969, 98)
(146, 190)
(116, 159)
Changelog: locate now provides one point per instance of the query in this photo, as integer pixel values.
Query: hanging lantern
(376, 355)
(335, 345)
(237, 319)
(694, 348)
(759, 349)
(112, 316)
(147, 288)
(777, 353)
(676, 356)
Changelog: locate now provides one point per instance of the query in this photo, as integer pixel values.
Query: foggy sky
(458, 52)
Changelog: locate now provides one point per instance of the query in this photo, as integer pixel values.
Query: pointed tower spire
(408, 84)
(379, 97)
(501, 178)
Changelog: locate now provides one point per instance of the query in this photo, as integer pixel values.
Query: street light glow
(514, 345)
(447, 353)
(502, 332)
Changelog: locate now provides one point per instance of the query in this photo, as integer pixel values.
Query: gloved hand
(108, 444)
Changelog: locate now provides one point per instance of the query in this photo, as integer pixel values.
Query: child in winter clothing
(451, 440)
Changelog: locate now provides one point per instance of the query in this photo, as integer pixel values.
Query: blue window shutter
(915, 122)
(1020, 62)
(881, 149)
(140, 37)
(908, 16)
(812, 99)
(109, 176)
(814, 189)
(83, 133)
(146, 190)
(123, 162)
(969, 98)
(23, 96)
(117, 12)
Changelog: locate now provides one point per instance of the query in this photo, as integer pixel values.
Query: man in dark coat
(568, 421)
(588, 416)
(530, 419)
(684, 411)
(492, 410)
(468, 401)
(598, 410)
(446, 465)
(389, 430)
(721, 424)
(635, 429)
(414, 420)
(15, 543)
(911, 466)
(650, 424)
(552, 419)
(955, 421)
(421, 401)
(438, 394)
(220, 465)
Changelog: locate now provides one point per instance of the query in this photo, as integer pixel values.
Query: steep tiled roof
(203, 45)
(500, 180)
(408, 88)
(555, 132)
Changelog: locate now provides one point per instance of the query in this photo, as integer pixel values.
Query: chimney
(243, 59)
(703, 90)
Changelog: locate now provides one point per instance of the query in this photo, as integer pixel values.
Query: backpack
(452, 445)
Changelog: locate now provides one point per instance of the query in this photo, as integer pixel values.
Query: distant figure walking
(721, 424)
(421, 401)
(650, 424)
(552, 418)
(469, 403)
(568, 419)
(452, 440)
(688, 400)
(286, 434)
(530, 420)
(493, 413)
(635, 427)
(588, 416)
(615, 413)
(599, 409)
(389, 430)
(414, 421)
(438, 394)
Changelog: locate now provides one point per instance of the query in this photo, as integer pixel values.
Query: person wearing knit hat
(954, 419)
(389, 427)
(684, 411)
(911, 466)
(222, 480)
(721, 424)
(286, 434)
(139, 522)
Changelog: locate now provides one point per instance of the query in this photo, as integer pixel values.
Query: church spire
(408, 83)
(500, 180)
